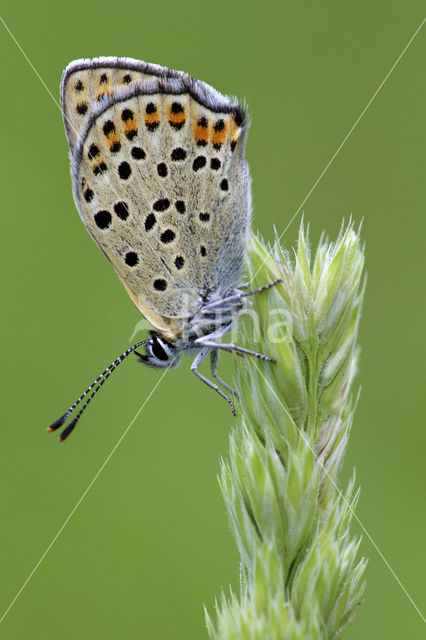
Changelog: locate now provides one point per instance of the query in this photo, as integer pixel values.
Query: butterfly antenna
(99, 381)
(70, 427)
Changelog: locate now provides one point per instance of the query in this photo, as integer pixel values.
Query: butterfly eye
(158, 351)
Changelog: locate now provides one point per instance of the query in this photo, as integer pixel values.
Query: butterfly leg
(230, 346)
(202, 355)
(214, 359)
(208, 307)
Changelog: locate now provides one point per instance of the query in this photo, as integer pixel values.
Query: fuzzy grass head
(299, 573)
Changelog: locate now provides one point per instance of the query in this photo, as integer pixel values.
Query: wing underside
(159, 178)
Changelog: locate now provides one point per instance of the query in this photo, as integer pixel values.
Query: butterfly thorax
(215, 316)
(213, 319)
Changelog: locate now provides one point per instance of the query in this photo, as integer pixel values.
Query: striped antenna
(97, 383)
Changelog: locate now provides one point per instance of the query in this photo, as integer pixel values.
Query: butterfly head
(160, 353)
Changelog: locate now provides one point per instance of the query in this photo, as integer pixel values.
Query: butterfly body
(161, 183)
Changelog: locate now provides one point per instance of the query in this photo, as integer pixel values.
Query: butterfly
(160, 180)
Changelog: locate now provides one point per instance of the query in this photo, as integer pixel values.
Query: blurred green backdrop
(150, 542)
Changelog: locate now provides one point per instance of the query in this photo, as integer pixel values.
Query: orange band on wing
(131, 128)
(114, 138)
(152, 118)
(176, 118)
(219, 134)
(201, 131)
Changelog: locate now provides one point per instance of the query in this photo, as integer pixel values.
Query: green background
(150, 542)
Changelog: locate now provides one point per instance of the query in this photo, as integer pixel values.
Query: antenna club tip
(49, 429)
